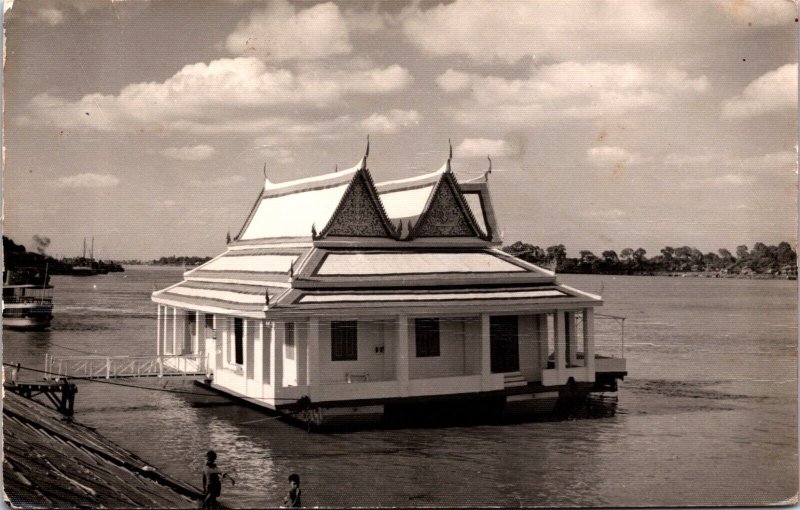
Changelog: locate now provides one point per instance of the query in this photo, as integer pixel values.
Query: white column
(541, 339)
(166, 343)
(221, 335)
(561, 345)
(199, 348)
(486, 351)
(258, 355)
(175, 348)
(401, 359)
(588, 341)
(276, 374)
(245, 340)
(159, 348)
(572, 338)
(312, 356)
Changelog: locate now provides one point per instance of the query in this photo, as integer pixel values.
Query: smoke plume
(42, 242)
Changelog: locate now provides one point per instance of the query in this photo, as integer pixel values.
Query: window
(344, 340)
(238, 334)
(209, 326)
(427, 334)
(288, 341)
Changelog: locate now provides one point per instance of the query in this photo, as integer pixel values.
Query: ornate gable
(447, 213)
(360, 213)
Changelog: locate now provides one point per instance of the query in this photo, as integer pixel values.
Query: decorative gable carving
(360, 213)
(447, 214)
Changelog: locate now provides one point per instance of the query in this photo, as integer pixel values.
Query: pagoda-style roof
(340, 240)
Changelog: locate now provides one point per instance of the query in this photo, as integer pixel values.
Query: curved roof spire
(366, 155)
(449, 157)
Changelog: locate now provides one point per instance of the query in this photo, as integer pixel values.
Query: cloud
(775, 91)
(50, 16)
(482, 147)
(511, 31)
(615, 158)
(760, 12)
(87, 180)
(726, 180)
(223, 181)
(573, 89)
(223, 92)
(271, 148)
(280, 33)
(391, 122)
(606, 214)
(196, 153)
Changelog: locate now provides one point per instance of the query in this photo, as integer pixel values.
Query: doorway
(504, 339)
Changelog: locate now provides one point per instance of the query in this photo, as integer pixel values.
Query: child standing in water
(212, 481)
(292, 500)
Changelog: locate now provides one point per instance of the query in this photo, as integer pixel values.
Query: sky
(611, 124)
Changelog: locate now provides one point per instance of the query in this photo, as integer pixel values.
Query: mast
(91, 253)
(84, 247)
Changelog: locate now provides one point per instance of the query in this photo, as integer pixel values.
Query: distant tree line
(16, 257)
(762, 259)
(178, 261)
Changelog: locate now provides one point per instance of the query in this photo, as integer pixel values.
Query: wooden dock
(52, 462)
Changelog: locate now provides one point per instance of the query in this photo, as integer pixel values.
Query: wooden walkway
(50, 462)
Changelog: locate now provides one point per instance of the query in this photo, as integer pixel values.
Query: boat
(84, 266)
(27, 300)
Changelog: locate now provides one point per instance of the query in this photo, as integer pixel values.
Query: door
(190, 333)
(503, 335)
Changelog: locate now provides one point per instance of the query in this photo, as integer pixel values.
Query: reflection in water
(707, 417)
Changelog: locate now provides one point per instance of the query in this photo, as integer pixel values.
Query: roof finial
(336, 169)
(487, 172)
(313, 231)
(228, 237)
(447, 168)
(291, 269)
(266, 297)
(366, 155)
(265, 169)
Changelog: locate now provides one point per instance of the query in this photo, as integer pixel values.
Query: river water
(707, 415)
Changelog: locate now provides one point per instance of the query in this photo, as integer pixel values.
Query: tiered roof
(341, 241)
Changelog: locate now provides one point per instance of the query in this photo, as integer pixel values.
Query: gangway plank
(114, 367)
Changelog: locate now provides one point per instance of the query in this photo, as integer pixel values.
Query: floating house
(350, 298)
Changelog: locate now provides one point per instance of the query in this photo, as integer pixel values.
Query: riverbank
(50, 462)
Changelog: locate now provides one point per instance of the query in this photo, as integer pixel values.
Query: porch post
(175, 331)
(486, 351)
(276, 374)
(159, 348)
(401, 355)
(541, 331)
(588, 342)
(200, 347)
(312, 357)
(245, 348)
(572, 339)
(258, 357)
(560, 346)
(166, 343)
